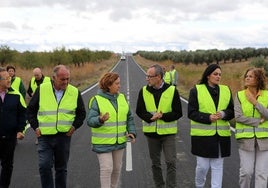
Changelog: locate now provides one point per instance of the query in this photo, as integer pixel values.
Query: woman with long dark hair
(210, 108)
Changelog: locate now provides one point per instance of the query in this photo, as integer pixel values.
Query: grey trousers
(250, 160)
(167, 144)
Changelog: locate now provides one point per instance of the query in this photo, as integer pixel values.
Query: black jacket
(175, 114)
(12, 115)
(208, 146)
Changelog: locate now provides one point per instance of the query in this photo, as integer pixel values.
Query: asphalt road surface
(83, 170)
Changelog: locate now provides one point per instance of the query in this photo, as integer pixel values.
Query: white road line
(128, 148)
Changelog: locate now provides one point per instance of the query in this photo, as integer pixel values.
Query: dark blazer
(208, 146)
(12, 115)
(175, 114)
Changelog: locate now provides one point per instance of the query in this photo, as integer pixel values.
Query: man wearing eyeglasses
(12, 123)
(159, 107)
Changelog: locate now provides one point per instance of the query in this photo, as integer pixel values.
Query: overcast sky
(132, 25)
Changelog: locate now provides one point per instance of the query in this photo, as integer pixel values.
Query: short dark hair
(10, 67)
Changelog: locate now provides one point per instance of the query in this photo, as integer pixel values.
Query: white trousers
(110, 168)
(202, 167)
(250, 160)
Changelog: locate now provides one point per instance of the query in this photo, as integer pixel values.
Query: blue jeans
(53, 150)
(167, 144)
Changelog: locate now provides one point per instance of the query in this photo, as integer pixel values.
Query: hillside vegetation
(190, 74)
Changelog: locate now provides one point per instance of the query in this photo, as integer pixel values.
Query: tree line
(205, 56)
(29, 59)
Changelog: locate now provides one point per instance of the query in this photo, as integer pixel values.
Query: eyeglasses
(149, 76)
(7, 78)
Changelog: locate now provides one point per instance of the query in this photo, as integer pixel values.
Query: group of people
(170, 77)
(210, 109)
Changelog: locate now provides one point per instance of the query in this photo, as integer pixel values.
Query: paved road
(83, 165)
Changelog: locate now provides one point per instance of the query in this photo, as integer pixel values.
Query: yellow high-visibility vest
(165, 105)
(114, 129)
(16, 83)
(16, 92)
(168, 77)
(206, 105)
(54, 117)
(34, 85)
(245, 131)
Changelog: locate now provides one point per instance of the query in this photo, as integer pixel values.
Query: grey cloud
(27, 27)
(157, 10)
(7, 25)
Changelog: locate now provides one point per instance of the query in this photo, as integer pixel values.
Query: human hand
(132, 137)
(219, 114)
(213, 117)
(262, 120)
(156, 116)
(20, 135)
(71, 131)
(37, 132)
(104, 117)
(251, 98)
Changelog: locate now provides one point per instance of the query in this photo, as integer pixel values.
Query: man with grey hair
(12, 123)
(54, 122)
(159, 107)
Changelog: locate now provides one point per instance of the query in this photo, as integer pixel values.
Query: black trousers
(7, 148)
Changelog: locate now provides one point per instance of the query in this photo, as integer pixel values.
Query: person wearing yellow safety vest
(159, 106)
(36, 80)
(55, 111)
(167, 76)
(16, 82)
(251, 116)
(12, 123)
(210, 108)
(174, 75)
(111, 123)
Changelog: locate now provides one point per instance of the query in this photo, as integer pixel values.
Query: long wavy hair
(260, 77)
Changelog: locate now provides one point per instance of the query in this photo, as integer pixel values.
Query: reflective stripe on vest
(114, 129)
(54, 117)
(206, 105)
(165, 105)
(34, 85)
(247, 131)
